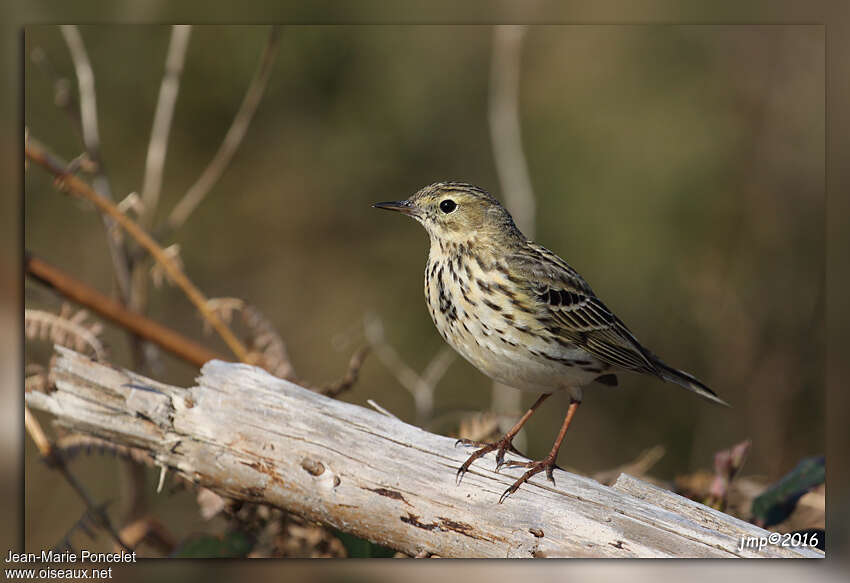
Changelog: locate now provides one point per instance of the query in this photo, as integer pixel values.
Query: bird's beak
(402, 206)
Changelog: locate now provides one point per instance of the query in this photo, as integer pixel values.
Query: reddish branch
(87, 296)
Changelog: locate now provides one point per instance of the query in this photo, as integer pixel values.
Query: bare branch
(91, 140)
(508, 155)
(251, 437)
(199, 190)
(437, 367)
(121, 260)
(88, 98)
(158, 145)
(505, 127)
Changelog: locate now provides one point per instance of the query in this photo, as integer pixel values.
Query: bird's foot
(547, 464)
(500, 447)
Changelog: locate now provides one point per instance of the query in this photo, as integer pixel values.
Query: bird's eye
(448, 206)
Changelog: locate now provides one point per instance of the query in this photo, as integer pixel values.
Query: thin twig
(88, 98)
(379, 409)
(70, 183)
(438, 366)
(163, 115)
(420, 386)
(84, 525)
(36, 433)
(199, 190)
(505, 132)
(91, 140)
(54, 459)
(511, 166)
(121, 260)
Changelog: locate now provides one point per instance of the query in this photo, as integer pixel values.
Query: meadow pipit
(519, 313)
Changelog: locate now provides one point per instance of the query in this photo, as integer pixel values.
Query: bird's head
(456, 212)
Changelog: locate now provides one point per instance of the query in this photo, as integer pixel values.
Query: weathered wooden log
(248, 435)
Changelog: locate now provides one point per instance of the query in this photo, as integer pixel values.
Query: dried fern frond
(268, 350)
(265, 340)
(262, 338)
(39, 377)
(67, 328)
(70, 446)
(223, 308)
(351, 374)
(158, 274)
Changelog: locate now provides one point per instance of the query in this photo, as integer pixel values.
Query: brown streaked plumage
(518, 312)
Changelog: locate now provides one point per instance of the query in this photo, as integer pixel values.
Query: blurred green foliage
(359, 548)
(678, 168)
(778, 502)
(232, 545)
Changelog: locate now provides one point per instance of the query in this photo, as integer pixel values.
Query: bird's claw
(547, 464)
(500, 459)
(500, 446)
(459, 476)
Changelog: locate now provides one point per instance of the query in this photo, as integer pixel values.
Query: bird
(520, 314)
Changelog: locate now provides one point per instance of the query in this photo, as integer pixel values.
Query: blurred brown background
(680, 169)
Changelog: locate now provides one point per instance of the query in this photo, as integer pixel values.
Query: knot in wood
(313, 467)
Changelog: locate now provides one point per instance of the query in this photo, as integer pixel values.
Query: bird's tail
(683, 379)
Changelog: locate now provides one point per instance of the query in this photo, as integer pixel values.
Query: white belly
(516, 366)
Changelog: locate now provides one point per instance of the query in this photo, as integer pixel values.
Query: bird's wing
(576, 315)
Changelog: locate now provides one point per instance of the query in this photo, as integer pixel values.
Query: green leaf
(231, 545)
(778, 502)
(361, 548)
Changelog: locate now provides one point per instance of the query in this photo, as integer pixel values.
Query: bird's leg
(547, 463)
(501, 445)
